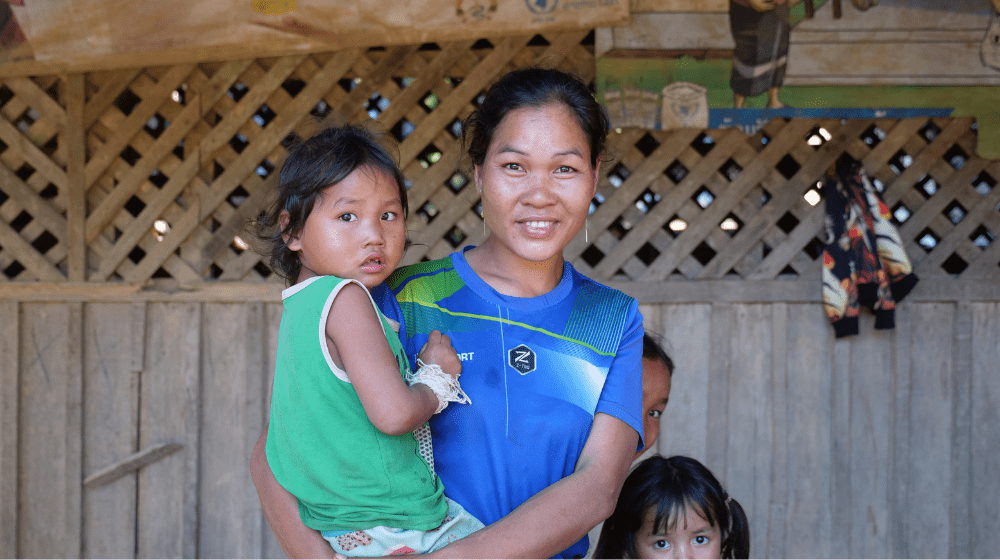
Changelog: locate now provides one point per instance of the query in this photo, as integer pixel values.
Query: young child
(657, 375)
(343, 405)
(674, 508)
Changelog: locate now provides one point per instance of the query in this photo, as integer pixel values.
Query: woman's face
(536, 183)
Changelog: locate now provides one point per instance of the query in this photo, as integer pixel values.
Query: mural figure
(989, 50)
(760, 30)
(11, 34)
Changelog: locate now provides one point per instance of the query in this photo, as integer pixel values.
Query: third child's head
(340, 210)
(657, 374)
(674, 508)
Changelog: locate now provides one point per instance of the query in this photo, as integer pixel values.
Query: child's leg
(388, 541)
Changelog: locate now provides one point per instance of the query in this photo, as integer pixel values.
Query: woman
(760, 30)
(551, 360)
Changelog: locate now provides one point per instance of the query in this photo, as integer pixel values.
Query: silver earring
(586, 237)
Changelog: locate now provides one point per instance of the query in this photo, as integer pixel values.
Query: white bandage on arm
(443, 385)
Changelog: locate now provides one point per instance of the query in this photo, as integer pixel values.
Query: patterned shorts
(389, 541)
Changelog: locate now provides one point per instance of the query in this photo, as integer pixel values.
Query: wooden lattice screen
(702, 205)
(130, 175)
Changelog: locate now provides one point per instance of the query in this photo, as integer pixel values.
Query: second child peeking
(347, 434)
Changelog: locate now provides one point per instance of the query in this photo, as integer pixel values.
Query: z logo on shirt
(522, 359)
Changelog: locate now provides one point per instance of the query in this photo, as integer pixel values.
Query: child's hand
(438, 351)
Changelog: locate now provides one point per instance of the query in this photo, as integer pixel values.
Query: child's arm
(355, 332)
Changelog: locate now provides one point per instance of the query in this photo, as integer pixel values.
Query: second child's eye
(655, 413)
(389, 216)
(660, 544)
(348, 217)
(701, 539)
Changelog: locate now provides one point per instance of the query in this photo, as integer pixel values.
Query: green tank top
(321, 445)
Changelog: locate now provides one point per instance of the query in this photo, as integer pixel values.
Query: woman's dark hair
(534, 87)
(668, 487)
(651, 350)
(312, 165)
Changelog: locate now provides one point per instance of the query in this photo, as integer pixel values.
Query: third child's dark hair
(312, 165)
(667, 487)
(652, 350)
(535, 87)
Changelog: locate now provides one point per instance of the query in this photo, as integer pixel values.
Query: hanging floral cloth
(864, 262)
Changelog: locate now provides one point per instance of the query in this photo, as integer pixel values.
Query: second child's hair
(311, 166)
(535, 87)
(668, 487)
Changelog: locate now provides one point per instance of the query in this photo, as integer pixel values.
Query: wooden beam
(76, 205)
(10, 376)
(131, 464)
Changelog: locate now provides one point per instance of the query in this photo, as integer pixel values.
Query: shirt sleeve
(621, 396)
(387, 304)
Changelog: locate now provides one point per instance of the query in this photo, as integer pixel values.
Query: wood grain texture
(930, 434)
(111, 428)
(685, 330)
(809, 437)
(985, 440)
(231, 422)
(10, 376)
(75, 165)
(870, 384)
(748, 415)
(170, 410)
(50, 472)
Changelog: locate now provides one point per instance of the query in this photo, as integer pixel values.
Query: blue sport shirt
(536, 369)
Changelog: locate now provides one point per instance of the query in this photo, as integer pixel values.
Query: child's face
(355, 230)
(655, 393)
(691, 536)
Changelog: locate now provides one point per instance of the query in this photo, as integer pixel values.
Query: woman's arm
(560, 515)
(282, 510)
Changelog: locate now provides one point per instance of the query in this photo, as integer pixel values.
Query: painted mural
(860, 60)
(88, 32)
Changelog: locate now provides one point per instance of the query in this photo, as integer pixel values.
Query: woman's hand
(563, 513)
(282, 510)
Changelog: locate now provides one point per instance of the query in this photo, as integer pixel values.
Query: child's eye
(348, 217)
(701, 539)
(389, 216)
(655, 413)
(661, 544)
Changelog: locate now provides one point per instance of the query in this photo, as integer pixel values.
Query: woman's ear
(475, 175)
(597, 175)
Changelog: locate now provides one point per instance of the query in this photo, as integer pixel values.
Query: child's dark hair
(535, 87)
(652, 350)
(668, 487)
(312, 165)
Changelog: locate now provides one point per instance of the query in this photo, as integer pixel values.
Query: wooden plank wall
(197, 374)
(879, 445)
(876, 446)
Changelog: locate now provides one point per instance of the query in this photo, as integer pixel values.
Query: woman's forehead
(552, 127)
